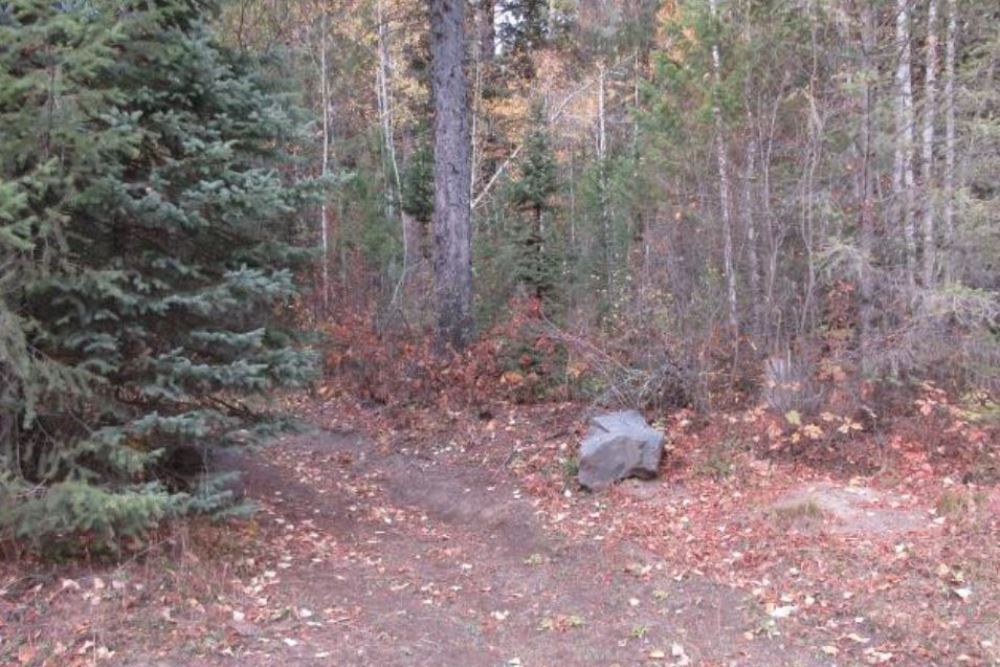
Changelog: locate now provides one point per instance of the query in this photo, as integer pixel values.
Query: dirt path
(435, 543)
(423, 561)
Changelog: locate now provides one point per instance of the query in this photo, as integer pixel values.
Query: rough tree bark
(452, 174)
(927, 153)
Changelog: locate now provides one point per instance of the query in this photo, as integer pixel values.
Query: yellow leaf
(793, 417)
(512, 378)
(813, 432)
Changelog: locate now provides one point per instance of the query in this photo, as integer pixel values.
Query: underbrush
(811, 409)
(525, 358)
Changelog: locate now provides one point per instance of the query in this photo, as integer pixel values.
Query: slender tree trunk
(385, 105)
(902, 177)
(325, 166)
(866, 220)
(773, 238)
(722, 160)
(602, 154)
(927, 164)
(808, 186)
(452, 166)
(753, 268)
(949, 135)
(384, 96)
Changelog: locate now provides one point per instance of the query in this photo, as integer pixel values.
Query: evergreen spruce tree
(418, 189)
(145, 252)
(418, 184)
(536, 261)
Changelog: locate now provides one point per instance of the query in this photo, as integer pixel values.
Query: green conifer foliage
(145, 251)
(418, 184)
(536, 262)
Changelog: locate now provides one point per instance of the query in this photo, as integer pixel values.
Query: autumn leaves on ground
(451, 531)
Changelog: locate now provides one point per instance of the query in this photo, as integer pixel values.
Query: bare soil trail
(451, 539)
(442, 564)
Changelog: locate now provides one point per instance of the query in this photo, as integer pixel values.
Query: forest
(499, 332)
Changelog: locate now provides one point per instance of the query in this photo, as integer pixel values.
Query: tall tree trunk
(325, 166)
(902, 176)
(866, 220)
(602, 165)
(395, 194)
(814, 150)
(753, 262)
(385, 107)
(722, 160)
(452, 174)
(927, 164)
(772, 237)
(949, 135)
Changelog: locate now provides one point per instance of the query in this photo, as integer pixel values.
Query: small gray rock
(619, 445)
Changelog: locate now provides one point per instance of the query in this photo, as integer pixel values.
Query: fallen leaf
(783, 612)
(964, 593)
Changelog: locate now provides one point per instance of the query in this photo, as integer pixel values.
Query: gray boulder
(619, 445)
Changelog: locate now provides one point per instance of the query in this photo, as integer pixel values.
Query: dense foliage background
(722, 196)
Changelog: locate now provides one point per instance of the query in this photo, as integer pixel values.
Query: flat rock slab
(854, 509)
(619, 445)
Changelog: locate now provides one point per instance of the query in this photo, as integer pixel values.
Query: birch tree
(927, 153)
(723, 166)
(949, 130)
(902, 175)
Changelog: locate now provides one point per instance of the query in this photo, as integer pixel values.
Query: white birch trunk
(867, 208)
(388, 136)
(602, 165)
(753, 267)
(722, 159)
(902, 177)
(949, 133)
(927, 153)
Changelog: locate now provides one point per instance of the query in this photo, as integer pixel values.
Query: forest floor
(436, 537)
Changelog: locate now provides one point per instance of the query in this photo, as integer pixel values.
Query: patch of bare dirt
(452, 566)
